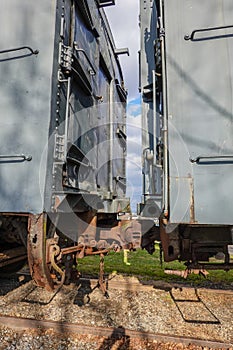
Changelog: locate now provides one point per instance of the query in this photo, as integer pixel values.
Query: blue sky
(124, 19)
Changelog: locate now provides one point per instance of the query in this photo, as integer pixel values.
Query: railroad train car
(63, 140)
(186, 82)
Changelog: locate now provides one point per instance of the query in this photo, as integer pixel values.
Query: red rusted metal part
(76, 328)
(132, 232)
(12, 256)
(12, 253)
(127, 233)
(192, 202)
(187, 272)
(99, 252)
(13, 261)
(165, 241)
(37, 251)
(102, 282)
(72, 249)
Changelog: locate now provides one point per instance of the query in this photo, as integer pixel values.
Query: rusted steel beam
(13, 260)
(101, 281)
(13, 253)
(185, 273)
(165, 241)
(37, 251)
(74, 328)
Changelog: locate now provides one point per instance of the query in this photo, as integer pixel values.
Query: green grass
(147, 267)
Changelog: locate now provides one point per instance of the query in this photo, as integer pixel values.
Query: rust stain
(192, 206)
(165, 241)
(37, 252)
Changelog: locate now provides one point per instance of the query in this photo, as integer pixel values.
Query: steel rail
(149, 286)
(81, 329)
(143, 287)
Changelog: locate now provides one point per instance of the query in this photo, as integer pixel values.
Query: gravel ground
(171, 311)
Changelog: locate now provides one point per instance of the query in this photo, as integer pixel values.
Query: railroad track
(11, 257)
(136, 285)
(39, 296)
(150, 285)
(118, 333)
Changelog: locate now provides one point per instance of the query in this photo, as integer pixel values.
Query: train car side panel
(26, 57)
(199, 113)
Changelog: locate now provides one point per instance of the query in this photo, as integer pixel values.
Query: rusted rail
(12, 256)
(73, 328)
(135, 285)
(150, 285)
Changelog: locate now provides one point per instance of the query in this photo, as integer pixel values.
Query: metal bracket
(103, 3)
(222, 159)
(65, 57)
(59, 147)
(120, 180)
(191, 36)
(122, 92)
(16, 158)
(22, 55)
(161, 33)
(120, 133)
(124, 51)
(92, 71)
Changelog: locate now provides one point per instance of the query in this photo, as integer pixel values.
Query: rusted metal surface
(46, 256)
(13, 260)
(187, 272)
(12, 253)
(192, 207)
(74, 328)
(125, 232)
(165, 241)
(37, 251)
(101, 281)
(55, 252)
(131, 231)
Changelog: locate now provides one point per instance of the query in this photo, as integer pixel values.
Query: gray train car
(63, 141)
(187, 123)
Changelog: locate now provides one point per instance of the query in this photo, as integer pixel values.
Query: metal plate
(199, 76)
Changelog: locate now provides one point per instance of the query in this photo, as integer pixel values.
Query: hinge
(103, 3)
(65, 57)
(161, 32)
(59, 147)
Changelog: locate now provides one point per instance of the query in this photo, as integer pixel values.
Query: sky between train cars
(124, 19)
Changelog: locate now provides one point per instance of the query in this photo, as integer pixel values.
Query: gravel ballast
(189, 312)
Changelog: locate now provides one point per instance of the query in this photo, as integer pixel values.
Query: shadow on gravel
(193, 309)
(10, 283)
(118, 339)
(84, 290)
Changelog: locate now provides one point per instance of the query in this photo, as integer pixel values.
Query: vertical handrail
(154, 114)
(67, 115)
(165, 116)
(111, 137)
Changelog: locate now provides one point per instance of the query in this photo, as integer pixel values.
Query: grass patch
(148, 267)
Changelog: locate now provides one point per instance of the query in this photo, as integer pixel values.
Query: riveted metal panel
(96, 110)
